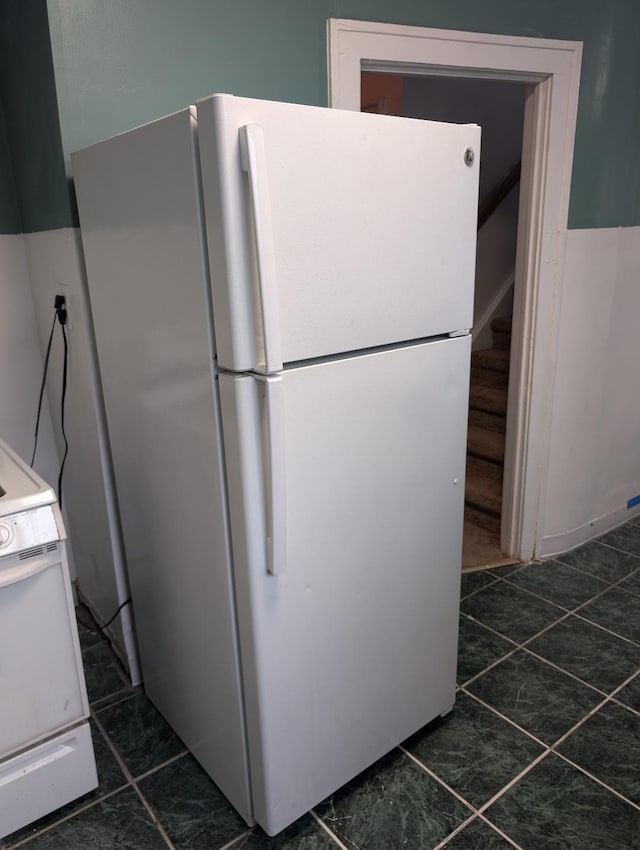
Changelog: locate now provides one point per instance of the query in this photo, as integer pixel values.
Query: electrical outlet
(63, 289)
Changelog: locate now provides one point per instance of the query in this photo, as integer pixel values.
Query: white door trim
(553, 70)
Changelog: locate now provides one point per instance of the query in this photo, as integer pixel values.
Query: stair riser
(478, 502)
(501, 324)
(484, 452)
(487, 427)
(484, 485)
(488, 400)
(483, 520)
(489, 378)
(491, 358)
(501, 341)
(487, 420)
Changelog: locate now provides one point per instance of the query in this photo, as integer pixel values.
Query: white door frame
(552, 68)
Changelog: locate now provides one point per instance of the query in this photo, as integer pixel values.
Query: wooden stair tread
(485, 447)
(496, 359)
(488, 399)
(481, 519)
(489, 378)
(490, 421)
(481, 442)
(484, 486)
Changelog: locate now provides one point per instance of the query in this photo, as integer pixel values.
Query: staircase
(487, 426)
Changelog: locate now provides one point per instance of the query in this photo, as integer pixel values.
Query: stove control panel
(27, 530)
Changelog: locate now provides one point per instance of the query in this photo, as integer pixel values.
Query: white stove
(46, 752)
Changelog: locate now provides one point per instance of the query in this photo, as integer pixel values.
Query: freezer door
(333, 231)
(346, 487)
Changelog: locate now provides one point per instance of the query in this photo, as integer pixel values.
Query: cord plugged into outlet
(61, 306)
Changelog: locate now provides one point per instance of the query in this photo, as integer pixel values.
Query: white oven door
(42, 687)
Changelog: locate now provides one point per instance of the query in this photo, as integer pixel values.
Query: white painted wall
(594, 458)
(56, 265)
(21, 362)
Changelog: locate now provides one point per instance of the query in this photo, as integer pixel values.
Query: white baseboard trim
(558, 544)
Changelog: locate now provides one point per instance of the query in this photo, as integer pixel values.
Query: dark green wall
(27, 91)
(9, 213)
(122, 62)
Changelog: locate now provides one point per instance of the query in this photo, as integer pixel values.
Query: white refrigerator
(281, 297)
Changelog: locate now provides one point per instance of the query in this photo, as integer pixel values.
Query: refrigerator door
(346, 489)
(333, 231)
(138, 196)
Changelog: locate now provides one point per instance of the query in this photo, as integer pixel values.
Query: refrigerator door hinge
(463, 332)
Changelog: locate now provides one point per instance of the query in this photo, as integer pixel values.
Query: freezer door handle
(253, 159)
(275, 474)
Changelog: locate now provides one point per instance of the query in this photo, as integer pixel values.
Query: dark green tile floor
(541, 751)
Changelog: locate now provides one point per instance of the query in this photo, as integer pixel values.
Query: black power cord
(44, 377)
(97, 628)
(61, 316)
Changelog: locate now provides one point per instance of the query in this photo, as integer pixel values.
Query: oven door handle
(12, 575)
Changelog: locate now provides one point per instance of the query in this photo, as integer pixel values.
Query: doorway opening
(549, 72)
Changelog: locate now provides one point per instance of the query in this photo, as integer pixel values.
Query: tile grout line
(329, 832)
(614, 693)
(140, 776)
(615, 583)
(490, 629)
(608, 698)
(516, 647)
(438, 779)
(154, 817)
(608, 586)
(608, 545)
(132, 783)
(456, 831)
(507, 719)
(116, 696)
(568, 612)
(103, 644)
(95, 710)
(121, 763)
(473, 811)
(536, 761)
(478, 813)
(566, 672)
(605, 629)
(490, 667)
(478, 589)
(624, 705)
(237, 839)
(65, 818)
(499, 831)
(598, 781)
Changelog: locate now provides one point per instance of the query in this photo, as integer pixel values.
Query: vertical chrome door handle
(253, 159)
(276, 504)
